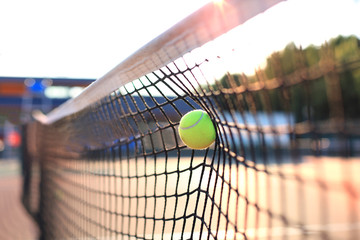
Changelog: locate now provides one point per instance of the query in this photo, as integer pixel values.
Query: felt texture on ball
(196, 130)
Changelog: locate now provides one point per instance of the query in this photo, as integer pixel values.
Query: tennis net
(109, 164)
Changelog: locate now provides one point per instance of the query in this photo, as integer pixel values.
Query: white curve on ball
(184, 128)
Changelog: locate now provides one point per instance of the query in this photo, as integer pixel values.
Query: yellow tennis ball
(197, 130)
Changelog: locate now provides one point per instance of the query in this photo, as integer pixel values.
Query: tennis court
(110, 164)
(159, 207)
(14, 216)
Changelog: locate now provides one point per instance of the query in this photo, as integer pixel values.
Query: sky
(80, 38)
(87, 38)
(303, 22)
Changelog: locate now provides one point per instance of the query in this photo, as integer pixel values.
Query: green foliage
(312, 56)
(306, 98)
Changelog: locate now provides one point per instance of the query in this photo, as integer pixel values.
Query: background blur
(51, 50)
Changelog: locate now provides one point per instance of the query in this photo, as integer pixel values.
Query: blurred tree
(287, 65)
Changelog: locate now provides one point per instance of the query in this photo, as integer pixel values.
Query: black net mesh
(284, 165)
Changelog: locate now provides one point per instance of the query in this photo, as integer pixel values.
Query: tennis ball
(197, 130)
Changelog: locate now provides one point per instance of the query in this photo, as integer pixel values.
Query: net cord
(202, 26)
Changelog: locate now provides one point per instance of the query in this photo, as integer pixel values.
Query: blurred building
(20, 96)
